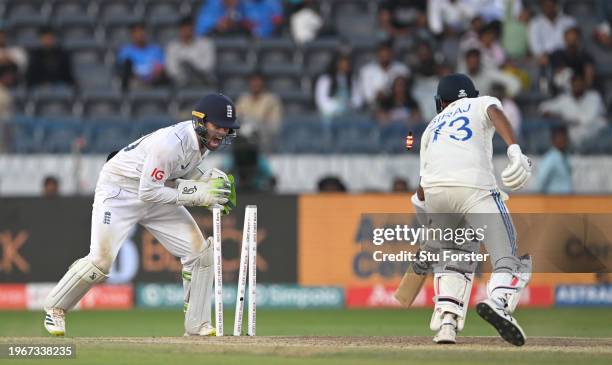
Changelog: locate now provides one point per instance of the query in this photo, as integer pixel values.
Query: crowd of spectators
(509, 48)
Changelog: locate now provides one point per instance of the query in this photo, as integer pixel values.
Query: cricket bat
(409, 287)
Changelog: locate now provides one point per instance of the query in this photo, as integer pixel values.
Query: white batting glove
(202, 193)
(518, 171)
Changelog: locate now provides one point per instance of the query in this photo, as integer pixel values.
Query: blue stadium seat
(27, 8)
(102, 103)
(53, 101)
(319, 53)
(117, 28)
(60, 134)
(355, 134)
(26, 135)
(70, 7)
(276, 51)
(305, 135)
(282, 78)
(153, 8)
(105, 135)
(24, 29)
(233, 50)
(393, 137)
(297, 102)
(94, 76)
(75, 27)
(163, 28)
(186, 99)
(148, 103)
(86, 51)
(144, 126)
(111, 9)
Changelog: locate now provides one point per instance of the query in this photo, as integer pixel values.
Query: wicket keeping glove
(518, 171)
(203, 193)
(229, 180)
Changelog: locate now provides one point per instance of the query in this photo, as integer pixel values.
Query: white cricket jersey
(456, 147)
(146, 164)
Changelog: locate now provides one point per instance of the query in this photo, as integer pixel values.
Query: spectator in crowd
(571, 60)
(546, 30)
(376, 77)
(492, 53)
(554, 173)
(400, 185)
(337, 90)
(260, 112)
(425, 63)
(398, 18)
(331, 184)
(13, 59)
(263, 17)
(580, 109)
(50, 187)
(7, 77)
(222, 17)
(495, 10)
(485, 77)
(305, 22)
(190, 59)
(398, 106)
(602, 32)
(250, 168)
(515, 39)
(450, 16)
(49, 63)
(141, 63)
(511, 110)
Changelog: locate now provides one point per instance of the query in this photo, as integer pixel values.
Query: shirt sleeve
(161, 160)
(423, 152)
(485, 103)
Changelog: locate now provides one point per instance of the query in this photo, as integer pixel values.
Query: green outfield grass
(143, 324)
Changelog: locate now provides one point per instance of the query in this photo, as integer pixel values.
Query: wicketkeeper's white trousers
(116, 210)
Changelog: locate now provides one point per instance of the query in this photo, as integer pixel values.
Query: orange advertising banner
(333, 228)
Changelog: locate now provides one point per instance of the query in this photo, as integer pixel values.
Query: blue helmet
(453, 87)
(217, 109)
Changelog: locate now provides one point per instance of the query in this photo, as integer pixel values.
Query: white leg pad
(452, 296)
(79, 278)
(505, 289)
(198, 291)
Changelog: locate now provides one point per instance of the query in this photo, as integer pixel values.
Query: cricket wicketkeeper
(150, 182)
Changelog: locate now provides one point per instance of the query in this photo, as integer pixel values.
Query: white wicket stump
(218, 265)
(252, 272)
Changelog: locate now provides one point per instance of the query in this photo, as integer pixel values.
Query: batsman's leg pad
(199, 287)
(452, 296)
(79, 278)
(505, 288)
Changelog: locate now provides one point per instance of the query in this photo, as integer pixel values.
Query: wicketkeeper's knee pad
(505, 288)
(452, 295)
(79, 278)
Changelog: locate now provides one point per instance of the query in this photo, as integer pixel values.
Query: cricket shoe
(448, 330)
(507, 327)
(55, 321)
(206, 330)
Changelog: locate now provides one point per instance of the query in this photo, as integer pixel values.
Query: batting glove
(518, 171)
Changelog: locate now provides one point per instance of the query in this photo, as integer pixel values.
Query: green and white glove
(214, 192)
(230, 185)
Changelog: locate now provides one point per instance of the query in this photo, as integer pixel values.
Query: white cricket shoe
(448, 331)
(507, 327)
(55, 321)
(206, 330)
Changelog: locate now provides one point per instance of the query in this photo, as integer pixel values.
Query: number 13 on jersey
(460, 132)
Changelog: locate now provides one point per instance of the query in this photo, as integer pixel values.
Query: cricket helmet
(453, 87)
(218, 110)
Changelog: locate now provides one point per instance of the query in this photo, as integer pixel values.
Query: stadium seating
(93, 30)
